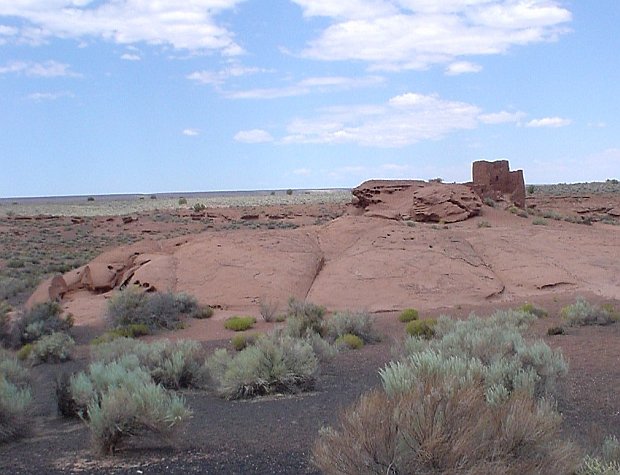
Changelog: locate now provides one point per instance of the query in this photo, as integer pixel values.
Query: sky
(139, 96)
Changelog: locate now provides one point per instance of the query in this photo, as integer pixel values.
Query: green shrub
(202, 312)
(198, 207)
(53, 348)
(174, 365)
(583, 313)
(5, 324)
(421, 328)
(304, 318)
(533, 309)
(239, 323)
(24, 352)
(239, 342)
(606, 463)
(274, 364)
(156, 310)
(289, 192)
(42, 319)
(408, 315)
(348, 340)
(134, 330)
(15, 398)
(539, 222)
(122, 401)
(484, 224)
(182, 201)
(489, 202)
(360, 324)
(531, 189)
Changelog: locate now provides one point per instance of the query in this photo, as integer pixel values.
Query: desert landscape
(374, 254)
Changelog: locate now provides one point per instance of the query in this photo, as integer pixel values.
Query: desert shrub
(122, 401)
(174, 365)
(268, 310)
(360, 324)
(239, 342)
(156, 310)
(531, 189)
(202, 312)
(408, 314)
(495, 345)
(551, 331)
(484, 224)
(438, 426)
(584, 313)
(24, 352)
(489, 202)
(90, 198)
(182, 201)
(552, 214)
(198, 207)
(533, 309)
(421, 328)
(350, 341)
(239, 323)
(42, 319)
(15, 398)
(605, 463)
(5, 324)
(53, 348)
(274, 364)
(304, 318)
(134, 330)
(539, 221)
(289, 192)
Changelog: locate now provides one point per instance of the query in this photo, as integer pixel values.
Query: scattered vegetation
(408, 315)
(484, 224)
(531, 189)
(304, 319)
(15, 398)
(468, 400)
(607, 462)
(240, 342)
(552, 331)
(269, 310)
(134, 330)
(539, 222)
(584, 313)
(359, 324)
(239, 323)
(56, 347)
(533, 309)
(421, 328)
(489, 202)
(182, 201)
(199, 207)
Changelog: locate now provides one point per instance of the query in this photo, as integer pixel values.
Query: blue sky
(124, 96)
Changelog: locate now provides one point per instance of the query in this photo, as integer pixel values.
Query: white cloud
(404, 120)
(131, 57)
(190, 132)
(302, 172)
(462, 67)
(49, 96)
(553, 122)
(308, 86)
(47, 69)
(501, 117)
(415, 34)
(253, 136)
(183, 25)
(217, 78)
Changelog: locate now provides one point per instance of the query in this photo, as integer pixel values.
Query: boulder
(51, 289)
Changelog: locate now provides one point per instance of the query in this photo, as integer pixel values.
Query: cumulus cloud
(253, 136)
(501, 117)
(462, 67)
(182, 25)
(553, 122)
(308, 86)
(403, 120)
(131, 57)
(47, 69)
(415, 34)
(190, 132)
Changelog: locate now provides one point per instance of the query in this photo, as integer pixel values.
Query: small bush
(202, 312)
(54, 348)
(304, 318)
(240, 342)
(408, 315)
(606, 463)
(489, 202)
(15, 398)
(42, 319)
(274, 364)
(533, 309)
(539, 222)
(198, 207)
(182, 201)
(484, 224)
(531, 189)
(134, 330)
(289, 192)
(24, 352)
(239, 323)
(268, 310)
(90, 198)
(350, 341)
(583, 313)
(360, 324)
(421, 328)
(121, 401)
(156, 310)
(5, 324)
(552, 331)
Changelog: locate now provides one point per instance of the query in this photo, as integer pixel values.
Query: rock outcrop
(417, 200)
(495, 180)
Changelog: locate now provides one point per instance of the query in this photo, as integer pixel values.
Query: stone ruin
(495, 180)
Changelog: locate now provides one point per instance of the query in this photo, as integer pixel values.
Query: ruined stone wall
(491, 178)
